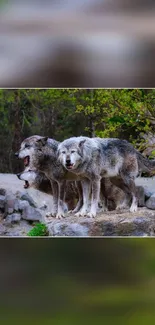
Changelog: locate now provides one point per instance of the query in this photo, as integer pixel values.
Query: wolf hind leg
(127, 184)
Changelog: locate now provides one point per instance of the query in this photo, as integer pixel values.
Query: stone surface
(68, 229)
(11, 183)
(31, 214)
(10, 203)
(29, 199)
(23, 205)
(140, 223)
(150, 203)
(15, 229)
(15, 217)
(2, 191)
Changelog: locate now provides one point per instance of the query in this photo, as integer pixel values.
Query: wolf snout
(18, 175)
(16, 154)
(68, 162)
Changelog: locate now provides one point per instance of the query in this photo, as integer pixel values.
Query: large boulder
(140, 223)
(150, 203)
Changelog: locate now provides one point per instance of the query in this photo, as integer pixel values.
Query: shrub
(39, 229)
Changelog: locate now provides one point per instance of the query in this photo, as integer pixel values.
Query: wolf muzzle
(16, 154)
(68, 162)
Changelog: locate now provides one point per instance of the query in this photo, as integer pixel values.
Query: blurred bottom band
(69, 281)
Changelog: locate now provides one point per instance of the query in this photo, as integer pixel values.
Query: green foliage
(61, 113)
(39, 229)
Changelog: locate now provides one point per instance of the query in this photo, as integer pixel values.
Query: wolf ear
(81, 143)
(57, 153)
(42, 141)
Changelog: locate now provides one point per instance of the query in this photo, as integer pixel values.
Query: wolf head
(70, 153)
(29, 176)
(29, 147)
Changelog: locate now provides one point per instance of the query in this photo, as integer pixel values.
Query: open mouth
(26, 185)
(26, 161)
(69, 166)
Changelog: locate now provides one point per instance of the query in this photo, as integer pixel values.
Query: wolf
(40, 154)
(97, 158)
(39, 181)
(111, 196)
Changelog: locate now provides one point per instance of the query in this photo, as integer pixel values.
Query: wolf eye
(72, 151)
(27, 146)
(63, 151)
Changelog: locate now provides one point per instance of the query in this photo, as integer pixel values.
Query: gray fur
(39, 181)
(42, 157)
(97, 158)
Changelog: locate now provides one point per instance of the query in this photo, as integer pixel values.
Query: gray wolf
(98, 158)
(44, 171)
(40, 154)
(39, 181)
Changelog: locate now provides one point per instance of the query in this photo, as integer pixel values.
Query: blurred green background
(77, 281)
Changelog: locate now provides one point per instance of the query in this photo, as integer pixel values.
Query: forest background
(61, 113)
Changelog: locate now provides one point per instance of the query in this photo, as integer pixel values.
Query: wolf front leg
(86, 193)
(54, 186)
(95, 195)
(61, 195)
(80, 198)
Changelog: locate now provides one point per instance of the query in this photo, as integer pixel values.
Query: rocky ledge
(140, 223)
(21, 209)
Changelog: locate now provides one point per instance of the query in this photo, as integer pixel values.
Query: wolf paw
(133, 208)
(91, 214)
(121, 207)
(51, 214)
(81, 213)
(60, 216)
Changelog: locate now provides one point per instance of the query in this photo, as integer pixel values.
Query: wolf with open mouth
(39, 181)
(40, 155)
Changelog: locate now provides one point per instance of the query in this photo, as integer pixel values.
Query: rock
(2, 191)
(16, 205)
(148, 193)
(148, 183)
(32, 214)
(44, 207)
(15, 217)
(111, 223)
(15, 229)
(10, 203)
(67, 229)
(28, 198)
(2, 202)
(150, 203)
(22, 205)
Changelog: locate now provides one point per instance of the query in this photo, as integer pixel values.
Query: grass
(39, 229)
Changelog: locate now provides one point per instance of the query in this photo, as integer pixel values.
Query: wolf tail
(145, 164)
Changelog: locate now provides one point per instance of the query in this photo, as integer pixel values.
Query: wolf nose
(18, 175)
(68, 161)
(16, 154)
